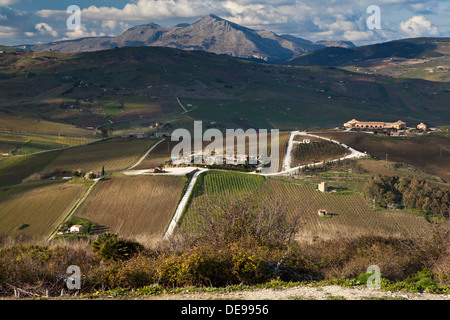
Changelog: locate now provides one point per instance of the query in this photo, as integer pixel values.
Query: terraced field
(349, 214)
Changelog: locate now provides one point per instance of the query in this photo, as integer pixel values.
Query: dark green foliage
(88, 226)
(109, 246)
(410, 193)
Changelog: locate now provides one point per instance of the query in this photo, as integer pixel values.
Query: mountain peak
(211, 33)
(212, 17)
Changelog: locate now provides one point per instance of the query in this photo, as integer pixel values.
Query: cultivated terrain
(87, 176)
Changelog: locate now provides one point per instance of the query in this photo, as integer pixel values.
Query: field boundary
(354, 154)
(181, 206)
(144, 156)
(75, 207)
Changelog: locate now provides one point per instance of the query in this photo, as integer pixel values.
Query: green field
(22, 144)
(115, 154)
(13, 170)
(36, 209)
(25, 125)
(349, 214)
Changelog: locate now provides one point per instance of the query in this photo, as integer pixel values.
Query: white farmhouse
(75, 228)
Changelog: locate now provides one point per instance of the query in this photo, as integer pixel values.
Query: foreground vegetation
(230, 252)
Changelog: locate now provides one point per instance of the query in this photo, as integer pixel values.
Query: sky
(43, 21)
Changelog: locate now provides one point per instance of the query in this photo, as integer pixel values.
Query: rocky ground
(305, 293)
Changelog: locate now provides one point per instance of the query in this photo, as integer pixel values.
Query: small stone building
(322, 212)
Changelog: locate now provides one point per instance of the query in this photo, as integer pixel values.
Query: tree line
(409, 193)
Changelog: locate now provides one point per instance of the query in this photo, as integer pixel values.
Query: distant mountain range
(211, 34)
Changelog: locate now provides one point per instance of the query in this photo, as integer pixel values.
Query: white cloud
(81, 32)
(418, 26)
(6, 31)
(311, 19)
(46, 29)
(141, 10)
(114, 25)
(356, 36)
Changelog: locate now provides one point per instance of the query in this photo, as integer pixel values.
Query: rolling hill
(131, 88)
(416, 48)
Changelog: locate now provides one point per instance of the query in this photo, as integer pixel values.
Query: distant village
(213, 158)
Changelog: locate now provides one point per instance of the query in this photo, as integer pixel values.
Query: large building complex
(355, 124)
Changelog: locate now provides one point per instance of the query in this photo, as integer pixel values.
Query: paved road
(287, 170)
(145, 155)
(182, 205)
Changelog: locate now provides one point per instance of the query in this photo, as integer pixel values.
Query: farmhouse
(91, 175)
(75, 228)
(355, 124)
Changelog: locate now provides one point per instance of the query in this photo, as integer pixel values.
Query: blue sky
(41, 21)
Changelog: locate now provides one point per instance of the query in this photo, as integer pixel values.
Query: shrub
(109, 246)
(196, 267)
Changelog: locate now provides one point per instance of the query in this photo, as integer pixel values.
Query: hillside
(417, 48)
(349, 214)
(429, 153)
(130, 88)
(417, 58)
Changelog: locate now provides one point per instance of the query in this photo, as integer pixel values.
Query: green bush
(109, 246)
(197, 267)
(150, 290)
